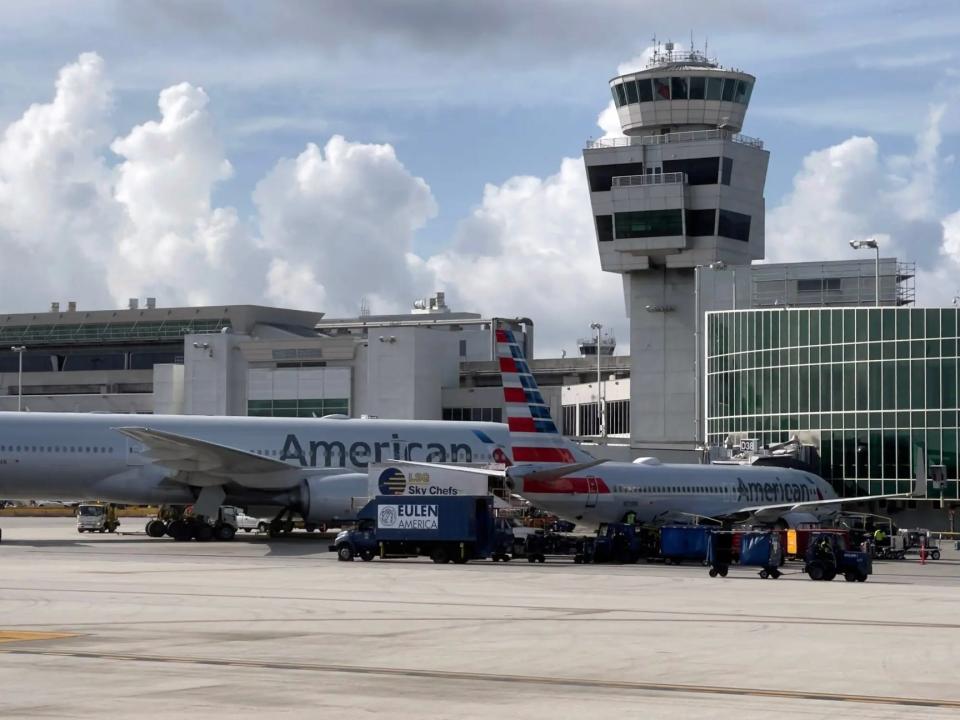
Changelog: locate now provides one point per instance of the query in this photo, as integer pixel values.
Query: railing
(674, 178)
(677, 137)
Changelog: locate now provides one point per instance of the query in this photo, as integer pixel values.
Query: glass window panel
(933, 384)
(849, 325)
(876, 455)
(916, 324)
(741, 94)
(948, 320)
(903, 324)
(874, 321)
(679, 86)
(903, 384)
(804, 390)
(644, 90)
(933, 322)
(825, 316)
(837, 325)
(875, 390)
(917, 391)
(948, 382)
(861, 320)
(714, 88)
(619, 95)
(729, 89)
(889, 324)
(849, 386)
(697, 88)
(904, 454)
(661, 88)
(631, 90)
(648, 223)
(949, 451)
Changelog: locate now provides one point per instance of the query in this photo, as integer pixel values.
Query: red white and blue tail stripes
(534, 436)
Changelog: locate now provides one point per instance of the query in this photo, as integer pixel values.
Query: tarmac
(95, 626)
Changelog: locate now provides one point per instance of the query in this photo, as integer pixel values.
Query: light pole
(19, 350)
(600, 409)
(871, 243)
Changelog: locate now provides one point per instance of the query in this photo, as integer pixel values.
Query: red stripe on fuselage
(521, 424)
(542, 454)
(514, 395)
(567, 486)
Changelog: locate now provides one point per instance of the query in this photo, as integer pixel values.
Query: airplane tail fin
(533, 435)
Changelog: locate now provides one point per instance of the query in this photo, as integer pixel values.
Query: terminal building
(866, 387)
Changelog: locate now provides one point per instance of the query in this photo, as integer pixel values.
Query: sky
(318, 154)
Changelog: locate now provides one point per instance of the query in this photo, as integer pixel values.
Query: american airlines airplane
(315, 467)
(655, 492)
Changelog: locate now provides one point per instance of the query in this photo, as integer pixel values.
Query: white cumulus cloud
(853, 190)
(340, 224)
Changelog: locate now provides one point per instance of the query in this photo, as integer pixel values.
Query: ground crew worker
(879, 536)
(630, 518)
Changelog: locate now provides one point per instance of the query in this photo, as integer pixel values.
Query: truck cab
(97, 517)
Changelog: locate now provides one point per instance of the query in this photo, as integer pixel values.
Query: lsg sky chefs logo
(408, 517)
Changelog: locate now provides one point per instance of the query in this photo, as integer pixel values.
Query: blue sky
(471, 94)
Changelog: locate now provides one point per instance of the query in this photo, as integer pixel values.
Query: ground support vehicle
(614, 543)
(752, 548)
(828, 556)
(504, 540)
(97, 517)
(921, 543)
(798, 540)
(895, 548)
(540, 545)
(443, 528)
(680, 543)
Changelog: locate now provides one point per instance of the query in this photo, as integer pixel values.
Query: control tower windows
(741, 94)
(699, 171)
(601, 176)
(734, 225)
(631, 89)
(619, 95)
(726, 171)
(679, 85)
(604, 227)
(644, 90)
(697, 88)
(729, 89)
(648, 223)
(714, 88)
(661, 88)
(701, 222)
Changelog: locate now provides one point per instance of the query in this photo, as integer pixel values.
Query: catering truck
(444, 528)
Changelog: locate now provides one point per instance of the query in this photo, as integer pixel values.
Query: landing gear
(180, 530)
(156, 528)
(202, 531)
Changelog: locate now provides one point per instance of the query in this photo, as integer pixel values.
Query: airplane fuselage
(71, 456)
(658, 493)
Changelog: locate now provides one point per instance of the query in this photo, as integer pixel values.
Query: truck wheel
(262, 527)
(224, 532)
(246, 530)
(713, 572)
(345, 553)
(815, 571)
(723, 572)
(862, 577)
(440, 555)
(202, 532)
(935, 555)
(850, 576)
(829, 575)
(367, 555)
(80, 530)
(156, 528)
(764, 574)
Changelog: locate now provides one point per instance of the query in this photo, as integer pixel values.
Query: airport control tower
(679, 196)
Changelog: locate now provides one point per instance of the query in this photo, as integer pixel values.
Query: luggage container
(746, 548)
(679, 543)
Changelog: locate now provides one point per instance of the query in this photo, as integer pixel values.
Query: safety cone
(923, 553)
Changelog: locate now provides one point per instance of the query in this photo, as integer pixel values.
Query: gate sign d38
(749, 445)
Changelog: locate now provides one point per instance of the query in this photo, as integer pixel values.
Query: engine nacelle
(324, 500)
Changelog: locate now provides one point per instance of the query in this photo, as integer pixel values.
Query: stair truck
(443, 528)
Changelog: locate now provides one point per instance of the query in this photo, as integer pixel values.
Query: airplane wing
(200, 462)
(780, 508)
(514, 472)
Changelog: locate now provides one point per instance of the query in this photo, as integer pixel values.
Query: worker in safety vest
(879, 536)
(630, 518)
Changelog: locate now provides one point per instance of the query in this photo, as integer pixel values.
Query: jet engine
(325, 499)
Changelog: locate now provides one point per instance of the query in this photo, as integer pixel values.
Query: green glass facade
(873, 384)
